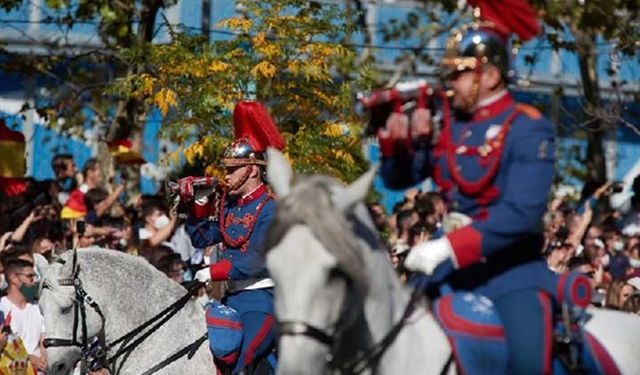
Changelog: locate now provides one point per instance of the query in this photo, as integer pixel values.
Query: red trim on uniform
(217, 322)
(467, 245)
(454, 350)
(548, 330)
(454, 322)
(604, 361)
(494, 108)
(220, 270)
(229, 359)
(257, 340)
(253, 195)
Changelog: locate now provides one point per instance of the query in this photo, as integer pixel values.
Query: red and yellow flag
(12, 161)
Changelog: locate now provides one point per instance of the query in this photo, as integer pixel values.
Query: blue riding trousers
(528, 325)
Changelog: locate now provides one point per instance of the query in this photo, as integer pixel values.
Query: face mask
(187, 276)
(161, 222)
(3, 283)
(618, 246)
(635, 263)
(123, 242)
(605, 260)
(29, 292)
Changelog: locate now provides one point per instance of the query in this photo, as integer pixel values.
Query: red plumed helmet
(253, 131)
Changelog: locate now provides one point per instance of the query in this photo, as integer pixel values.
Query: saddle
(479, 347)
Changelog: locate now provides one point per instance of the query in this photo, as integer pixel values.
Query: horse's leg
(527, 319)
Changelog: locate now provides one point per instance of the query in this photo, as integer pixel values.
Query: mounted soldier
(494, 160)
(236, 219)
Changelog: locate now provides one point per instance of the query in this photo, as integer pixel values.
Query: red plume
(252, 121)
(510, 16)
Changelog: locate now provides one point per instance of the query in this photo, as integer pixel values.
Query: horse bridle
(367, 358)
(130, 340)
(81, 299)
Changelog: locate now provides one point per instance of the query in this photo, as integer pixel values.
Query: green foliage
(282, 53)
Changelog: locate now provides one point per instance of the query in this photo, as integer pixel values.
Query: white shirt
(26, 323)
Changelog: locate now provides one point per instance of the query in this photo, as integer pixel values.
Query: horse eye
(66, 310)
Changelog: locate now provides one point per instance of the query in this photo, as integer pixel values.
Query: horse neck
(386, 299)
(126, 305)
(420, 344)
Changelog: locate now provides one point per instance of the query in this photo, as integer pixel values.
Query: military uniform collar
(493, 106)
(255, 194)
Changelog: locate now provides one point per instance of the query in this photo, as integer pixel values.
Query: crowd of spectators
(76, 210)
(584, 235)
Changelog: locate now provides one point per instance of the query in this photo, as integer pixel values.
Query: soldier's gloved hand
(425, 257)
(185, 186)
(203, 275)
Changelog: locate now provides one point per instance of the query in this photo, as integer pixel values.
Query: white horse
(123, 293)
(338, 298)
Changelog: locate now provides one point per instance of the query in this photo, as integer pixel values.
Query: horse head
(317, 263)
(70, 322)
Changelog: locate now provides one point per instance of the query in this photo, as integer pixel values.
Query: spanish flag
(12, 161)
(74, 207)
(122, 151)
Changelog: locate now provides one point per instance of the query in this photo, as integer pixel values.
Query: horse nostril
(60, 368)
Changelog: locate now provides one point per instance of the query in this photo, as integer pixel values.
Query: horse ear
(279, 172)
(356, 191)
(41, 263)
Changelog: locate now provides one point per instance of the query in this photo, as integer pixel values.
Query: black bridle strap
(159, 320)
(373, 354)
(298, 328)
(189, 350)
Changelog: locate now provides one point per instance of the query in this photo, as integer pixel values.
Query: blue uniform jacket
(245, 221)
(497, 167)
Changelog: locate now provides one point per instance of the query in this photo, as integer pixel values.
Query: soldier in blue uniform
(494, 160)
(247, 207)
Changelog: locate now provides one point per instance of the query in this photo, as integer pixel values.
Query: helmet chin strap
(241, 181)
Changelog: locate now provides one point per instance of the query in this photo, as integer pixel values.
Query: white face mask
(3, 283)
(161, 222)
(635, 263)
(604, 260)
(618, 246)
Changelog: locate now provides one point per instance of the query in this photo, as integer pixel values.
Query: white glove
(425, 257)
(203, 275)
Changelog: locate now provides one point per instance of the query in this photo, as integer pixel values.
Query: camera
(616, 187)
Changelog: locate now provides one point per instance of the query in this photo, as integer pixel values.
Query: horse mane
(309, 203)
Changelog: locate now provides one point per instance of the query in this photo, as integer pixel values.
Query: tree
(75, 77)
(287, 54)
(590, 22)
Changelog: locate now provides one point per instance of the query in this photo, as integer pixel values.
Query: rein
(137, 335)
(369, 357)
